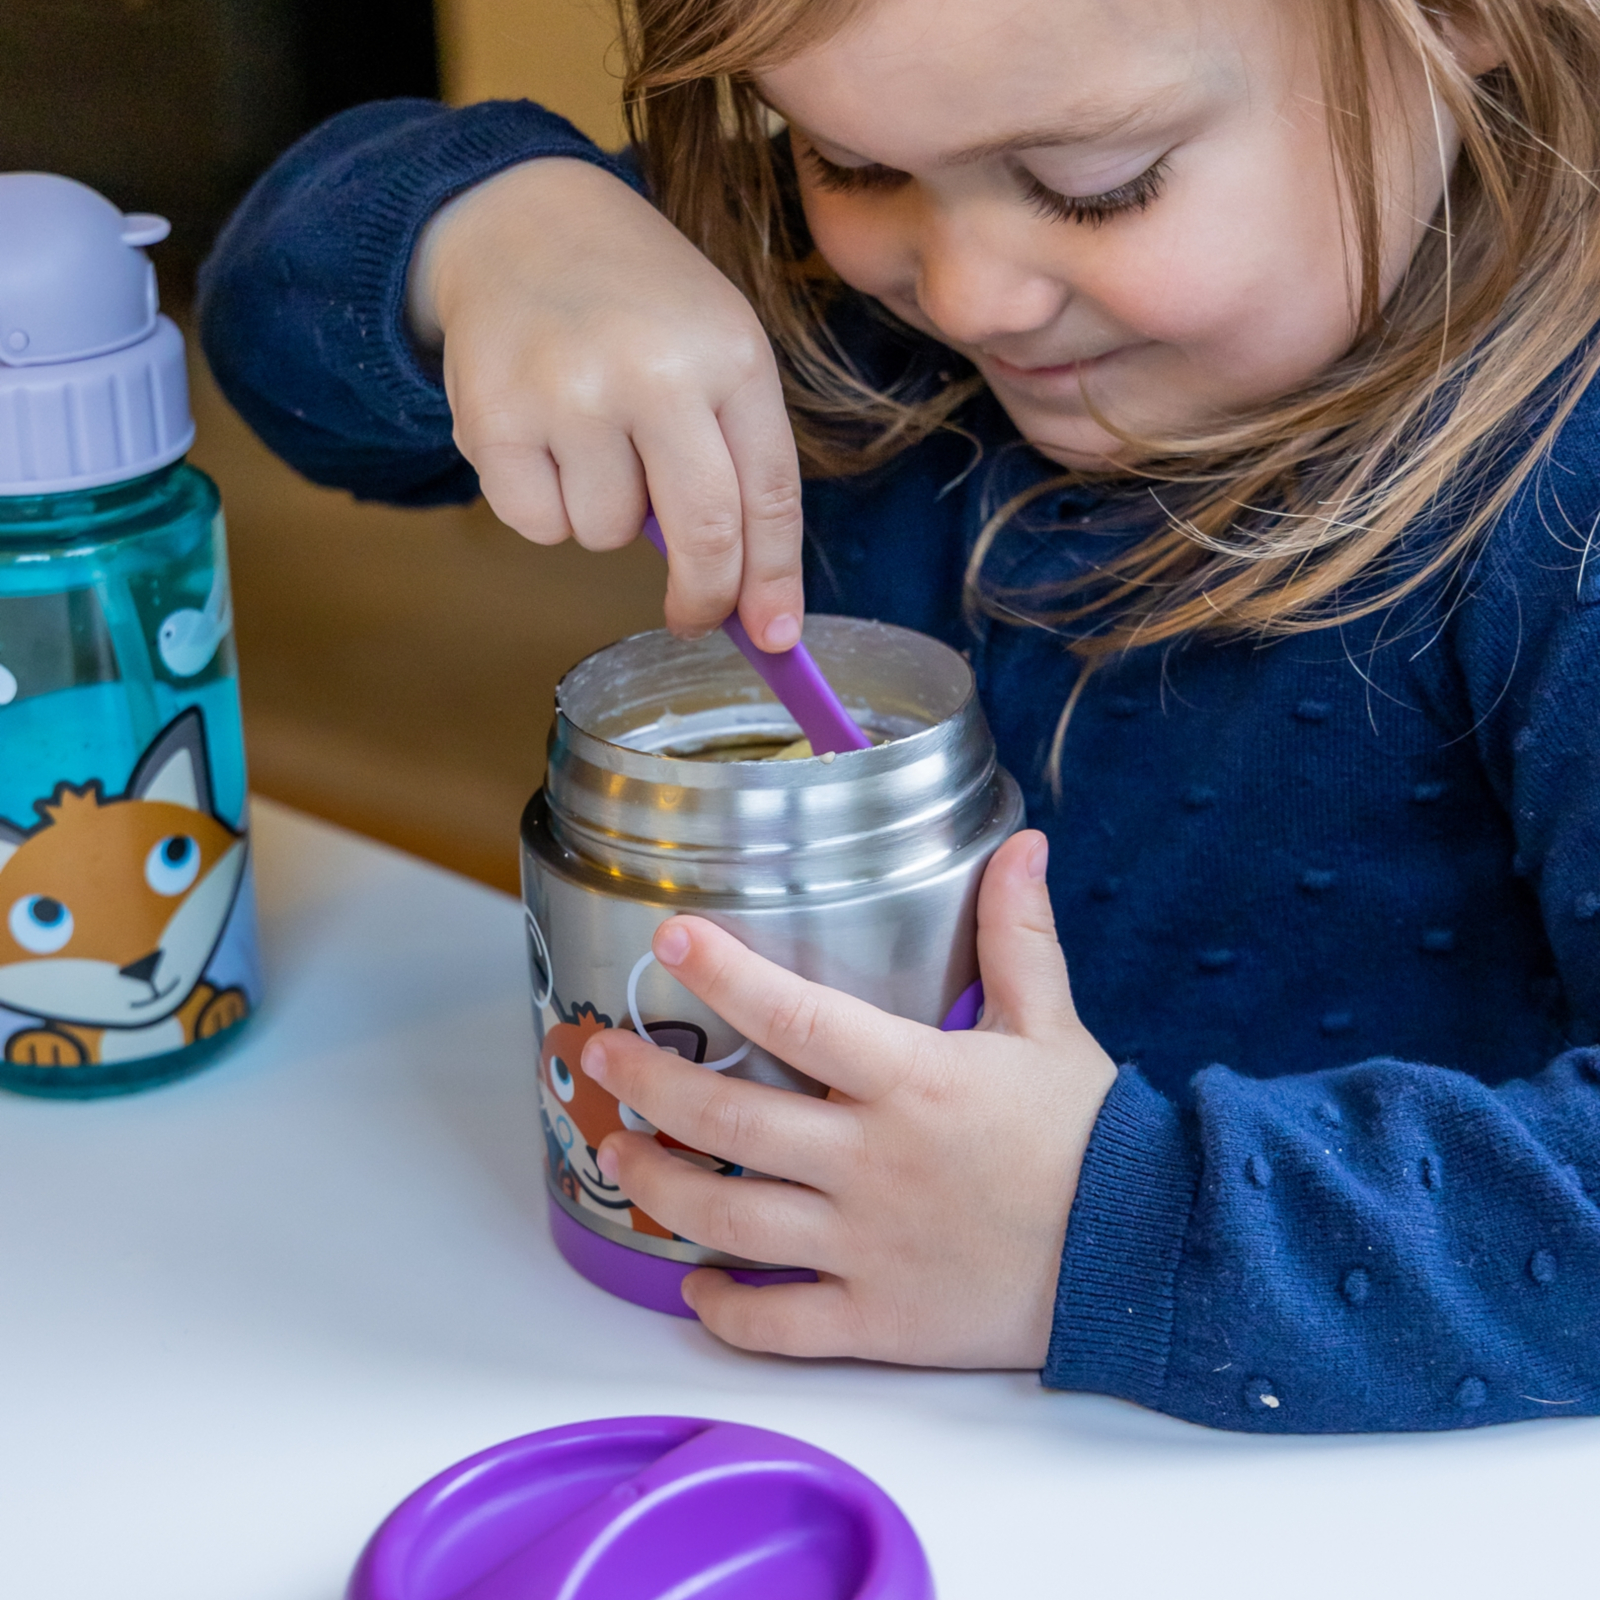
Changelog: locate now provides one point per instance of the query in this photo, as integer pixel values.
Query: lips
(1048, 372)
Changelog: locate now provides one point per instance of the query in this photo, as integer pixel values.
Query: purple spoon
(794, 677)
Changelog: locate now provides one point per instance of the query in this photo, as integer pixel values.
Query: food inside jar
(743, 747)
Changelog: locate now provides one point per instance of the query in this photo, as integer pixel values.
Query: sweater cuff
(1114, 1298)
(425, 168)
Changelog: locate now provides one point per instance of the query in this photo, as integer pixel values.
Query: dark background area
(398, 667)
(174, 106)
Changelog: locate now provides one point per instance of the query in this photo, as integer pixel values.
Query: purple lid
(93, 389)
(641, 1508)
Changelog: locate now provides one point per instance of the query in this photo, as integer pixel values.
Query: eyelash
(1137, 194)
(1092, 209)
(851, 180)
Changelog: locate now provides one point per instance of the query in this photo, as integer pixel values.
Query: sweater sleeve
(302, 303)
(1389, 1245)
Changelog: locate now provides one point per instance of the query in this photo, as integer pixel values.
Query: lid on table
(634, 1508)
(93, 389)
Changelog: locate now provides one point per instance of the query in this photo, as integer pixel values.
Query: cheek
(861, 242)
(1252, 284)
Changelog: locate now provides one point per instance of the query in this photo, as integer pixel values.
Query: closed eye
(1094, 210)
(853, 180)
(1137, 194)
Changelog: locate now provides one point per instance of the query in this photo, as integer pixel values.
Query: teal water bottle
(127, 921)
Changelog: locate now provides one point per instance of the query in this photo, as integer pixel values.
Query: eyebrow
(1086, 129)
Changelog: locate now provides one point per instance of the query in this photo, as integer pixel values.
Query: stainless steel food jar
(859, 871)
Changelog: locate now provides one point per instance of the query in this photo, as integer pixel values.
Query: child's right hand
(597, 363)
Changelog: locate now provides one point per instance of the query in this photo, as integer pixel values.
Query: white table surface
(242, 1316)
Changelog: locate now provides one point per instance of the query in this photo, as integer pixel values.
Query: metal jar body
(860, 872)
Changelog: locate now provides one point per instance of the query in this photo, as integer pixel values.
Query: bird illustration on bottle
(189, 638)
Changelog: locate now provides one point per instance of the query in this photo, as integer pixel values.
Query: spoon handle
(794, 677)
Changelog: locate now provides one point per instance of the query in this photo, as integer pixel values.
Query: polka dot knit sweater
(1333, 902)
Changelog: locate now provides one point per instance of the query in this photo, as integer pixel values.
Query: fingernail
(783, 633)
(671, 944)
(606, 1160)
(1039, 860)
(593, 1060)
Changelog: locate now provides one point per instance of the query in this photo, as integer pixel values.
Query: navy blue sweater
(1334, 903)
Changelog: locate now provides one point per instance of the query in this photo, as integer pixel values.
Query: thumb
(1025, 984)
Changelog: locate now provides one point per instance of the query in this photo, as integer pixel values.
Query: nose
(976, 288)
(144, 969)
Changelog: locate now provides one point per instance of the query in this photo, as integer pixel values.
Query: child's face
(1204, 267)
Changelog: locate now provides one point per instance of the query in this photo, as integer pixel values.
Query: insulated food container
(858, 871)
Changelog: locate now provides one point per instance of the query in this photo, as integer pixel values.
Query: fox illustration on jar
(578, 1114)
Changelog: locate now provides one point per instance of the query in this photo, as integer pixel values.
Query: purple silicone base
(649, 1281)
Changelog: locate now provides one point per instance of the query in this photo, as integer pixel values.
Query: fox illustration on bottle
(111, 910)
(578, 1114)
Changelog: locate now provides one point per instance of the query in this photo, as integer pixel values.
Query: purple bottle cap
(642, 1508)
(93, 388)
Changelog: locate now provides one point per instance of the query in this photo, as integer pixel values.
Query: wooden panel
(558, 52)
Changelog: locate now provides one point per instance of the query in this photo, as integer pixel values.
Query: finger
(1025, 986)
(775, 1131)
(786, 1319)
(760, 440)
(760, 1219)
(523, 489)
(602, 485)
(835, 1038)
(694, 490)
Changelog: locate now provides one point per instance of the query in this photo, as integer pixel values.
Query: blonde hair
(1273, 517)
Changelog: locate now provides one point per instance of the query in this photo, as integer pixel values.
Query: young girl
(1217, 374)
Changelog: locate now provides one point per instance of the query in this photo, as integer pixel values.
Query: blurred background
(398, 667)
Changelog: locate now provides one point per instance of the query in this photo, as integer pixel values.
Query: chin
(1082, 446)
(1080, 459)
(1070, 439)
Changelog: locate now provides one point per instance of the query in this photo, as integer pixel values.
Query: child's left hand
(930, 1190)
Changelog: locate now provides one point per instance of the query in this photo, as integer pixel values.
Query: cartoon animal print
(110, 912)
(580, 1114)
